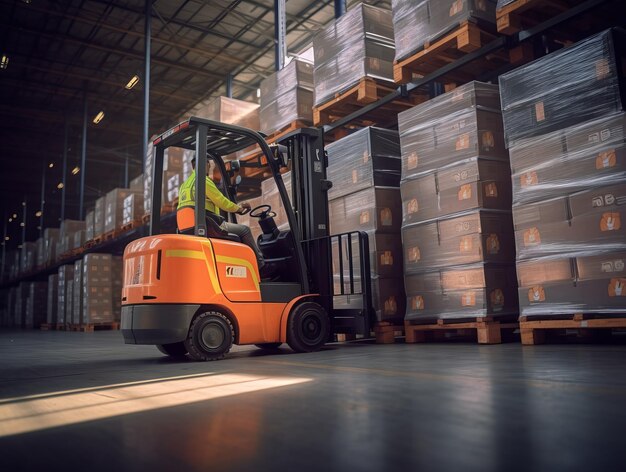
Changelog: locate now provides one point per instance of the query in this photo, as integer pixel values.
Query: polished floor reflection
(78, 401)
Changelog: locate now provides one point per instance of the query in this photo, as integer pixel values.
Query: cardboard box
(99, 216)
(52, 300)
(442, 140)
(77, 290)
(132, 208)
(476, 183)
(359, 44)
(97, 288)
(366, 158)
(479, 236)
(385, 255)
(66, 275)
(461, 292)
(574, 85)
(388, 297)
(90, 225)
(35, 314)
(50, 236)
(136, 185)
(374, 209)
(114, 209)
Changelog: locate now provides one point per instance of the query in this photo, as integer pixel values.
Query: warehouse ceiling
(64, 56)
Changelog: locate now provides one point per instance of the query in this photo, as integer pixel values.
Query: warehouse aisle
(87, 402)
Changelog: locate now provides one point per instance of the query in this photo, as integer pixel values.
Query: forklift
(198, 292)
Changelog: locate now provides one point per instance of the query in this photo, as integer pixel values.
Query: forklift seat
(185, 222)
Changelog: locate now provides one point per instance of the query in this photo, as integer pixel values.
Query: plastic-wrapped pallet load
(67, 231)
(359, 44)
(97, 303)
(50, 236)
(28, 257)
(114, 209)
(457, 232)
(136, 184)
(419, 22)
(458, 125)
(271, 197)
(52, 304)
(19, 315)
(566, 134)
(69, 305)
(287, 96)
(90, 225)
(172, 165)
(77, 302)
(36, 304)
(98, 217)
(132, 210)
(577, 84)
(40, 252)
(66, 275)
(78, 239)
(229, 110)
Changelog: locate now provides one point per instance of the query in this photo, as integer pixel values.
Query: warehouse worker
(215, 201)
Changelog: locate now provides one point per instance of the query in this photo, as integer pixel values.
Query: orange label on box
(457, 7)
(617, 287)
(466, 244)
(414, 254)
(528, 179)
(468, 299)
(457, 95)
(532, 237)
(488, 142)
(491, 190)
(417, 302)
(355, 176)
(536, 294)
(465, 192)
(602, 68)
(386, 258)
(411, 161)
(497, 299)
(386, 217)
(391, 307)
(606, 159)
(462, 142)
(364, 218)
(493, 244)
(366, 157)
(540, 113)
(412, 206)
(610, 222)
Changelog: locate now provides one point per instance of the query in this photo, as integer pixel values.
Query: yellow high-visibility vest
(214, 198)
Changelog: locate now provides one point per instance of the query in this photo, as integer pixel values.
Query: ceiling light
(4, 62)
(75, 170)
(22, 224)
(10, 220)
(60, 185)
(14, 215)
(51, 165)
(38, 214)
(258, 93)
(98, 118)
(6, 238)
(132, 82)
(23, 204)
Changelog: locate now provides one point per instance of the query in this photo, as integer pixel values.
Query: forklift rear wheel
(269, 345)
(211, 335)
(307, 328)
(174, 349)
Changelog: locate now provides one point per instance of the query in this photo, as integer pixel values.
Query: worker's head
(208, 165)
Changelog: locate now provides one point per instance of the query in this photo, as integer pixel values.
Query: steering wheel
(262, 211)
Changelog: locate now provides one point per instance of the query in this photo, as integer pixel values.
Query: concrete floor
(85, 401)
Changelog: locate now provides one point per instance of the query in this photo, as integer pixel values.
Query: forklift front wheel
(308, 327)
(173, 350)
(211, 335)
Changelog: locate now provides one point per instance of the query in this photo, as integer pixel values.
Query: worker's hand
(244, 208)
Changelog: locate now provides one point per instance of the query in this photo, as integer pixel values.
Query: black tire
(173, 350)
(269, 346)
(211, 335)
(308, 327)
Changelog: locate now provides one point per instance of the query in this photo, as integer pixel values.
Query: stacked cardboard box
(457, 229)
(566, 131)
(28, 257)
(172, 166)
(98, 217)
(136, 184)
(77, 288)
(96, 289)
(21, 297)
(417, 22)
(52, 305)
(359, 44)
(365, 170)
(114, 208)
(132, 208)
(271, 197)
(287, 96)
(36, 304)
(78, 239)
(66, 276)
(117, 282)
(50, 236)
(90, 225)
(67, 231)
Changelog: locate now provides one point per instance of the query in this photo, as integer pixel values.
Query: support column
(83, 162)
(280, 28)
(146, 83)
(340, 8)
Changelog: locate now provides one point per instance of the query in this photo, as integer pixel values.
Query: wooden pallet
(468, 36)
(89, 244)
(132, 225)
(534, 330)
(367, 91)
(294, 125)
(386, 333)
(169, 207)
(488, 330)
(145, 218)
(523, 14)
(91, 327)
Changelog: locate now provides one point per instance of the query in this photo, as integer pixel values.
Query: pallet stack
(172, 170)
(65, 279)
(287, 98)
(565, 127)
(457, 229)
(35, 313)
(96, 291)
(365, 170)
(52, 301)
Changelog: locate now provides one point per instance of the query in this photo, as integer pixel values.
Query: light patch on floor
(28, 414)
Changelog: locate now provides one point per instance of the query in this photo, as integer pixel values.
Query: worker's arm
(223, 203)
